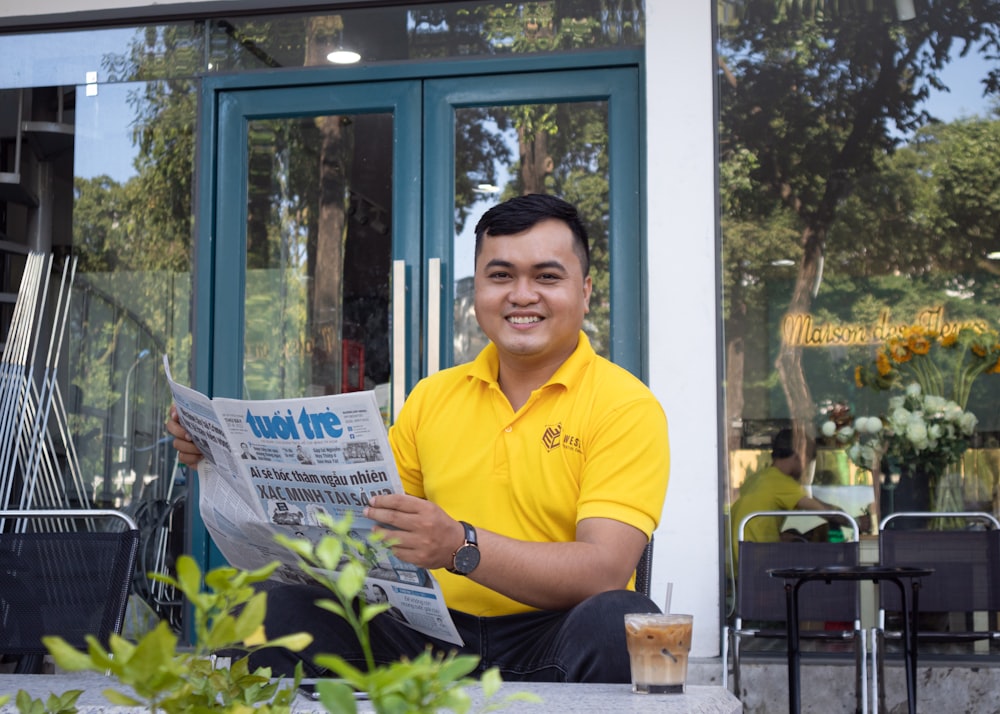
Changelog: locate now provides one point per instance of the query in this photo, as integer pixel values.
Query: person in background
(534, 477)
(777, 488)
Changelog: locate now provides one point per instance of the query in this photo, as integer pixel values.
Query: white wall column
(683, 315)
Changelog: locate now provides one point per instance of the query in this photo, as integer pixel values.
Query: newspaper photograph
(274, 466)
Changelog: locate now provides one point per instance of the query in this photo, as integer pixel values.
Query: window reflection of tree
(817, 106)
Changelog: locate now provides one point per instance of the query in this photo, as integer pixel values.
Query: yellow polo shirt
(591, 442)
(767, 490)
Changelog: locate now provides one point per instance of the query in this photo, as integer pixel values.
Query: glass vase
(906, 488)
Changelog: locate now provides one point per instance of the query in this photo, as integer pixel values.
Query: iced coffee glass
(658, 647)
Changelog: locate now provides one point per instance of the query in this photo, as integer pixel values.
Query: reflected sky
(59, 58)
(964, 77)
(104, 132)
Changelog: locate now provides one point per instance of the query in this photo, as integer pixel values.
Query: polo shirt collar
(486, 366)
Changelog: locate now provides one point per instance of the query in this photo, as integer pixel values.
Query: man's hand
(187, 452)
(420, 531)
(864, 523)
(549, 576)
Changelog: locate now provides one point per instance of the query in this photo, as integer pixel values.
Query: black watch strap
(466, 558)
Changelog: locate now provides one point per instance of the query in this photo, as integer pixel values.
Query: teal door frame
(422, 98)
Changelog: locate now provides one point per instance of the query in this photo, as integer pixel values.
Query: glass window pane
(319, 245)
(502, 152)
(232, 43)
(859, 218)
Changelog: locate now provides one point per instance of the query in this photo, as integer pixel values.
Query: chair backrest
(644, 570)
(966, 563)
(760, 597)
(63, 578)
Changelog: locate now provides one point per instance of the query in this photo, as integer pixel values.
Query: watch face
(466, 559)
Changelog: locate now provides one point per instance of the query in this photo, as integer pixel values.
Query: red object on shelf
(352, 366)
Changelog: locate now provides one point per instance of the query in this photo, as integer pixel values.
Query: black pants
(584, 644)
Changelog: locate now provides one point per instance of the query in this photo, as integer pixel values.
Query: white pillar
(683, 315)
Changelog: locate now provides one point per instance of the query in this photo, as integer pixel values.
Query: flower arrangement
(918, 427)
(927, 428)
(930, 357)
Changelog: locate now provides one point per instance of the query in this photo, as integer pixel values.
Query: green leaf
(457, 667)
(188, 576)
(221, 578)
(25, 704)
(329, 551)
(296, 642)
(491, 681)
(344, 670)
(332, 606)
(251, 617)
(352, 579)
(336, 696)
(122, 700)
(67, 656)
(370, 610)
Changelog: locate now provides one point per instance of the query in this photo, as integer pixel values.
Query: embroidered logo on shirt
(550, 437)
(553, 437)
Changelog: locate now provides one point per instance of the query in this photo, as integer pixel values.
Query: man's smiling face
(531, 295)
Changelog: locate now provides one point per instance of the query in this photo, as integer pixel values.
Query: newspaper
(272, 466)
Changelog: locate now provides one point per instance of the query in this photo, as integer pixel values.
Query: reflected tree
(816, 94)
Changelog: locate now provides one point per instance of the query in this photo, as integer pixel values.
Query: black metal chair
(960, 601)
(62, 575)
(827, 612)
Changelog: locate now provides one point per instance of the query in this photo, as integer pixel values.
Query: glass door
(312, 235)
(336, 250)
(569, 133)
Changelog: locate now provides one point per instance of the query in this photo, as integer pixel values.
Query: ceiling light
(343, 56)
(995, 255)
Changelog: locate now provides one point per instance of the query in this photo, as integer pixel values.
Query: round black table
(795, 578)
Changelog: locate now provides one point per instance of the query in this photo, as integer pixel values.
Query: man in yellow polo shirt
(778, 488)
(534, 475)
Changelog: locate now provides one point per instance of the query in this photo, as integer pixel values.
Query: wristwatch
(466, 558)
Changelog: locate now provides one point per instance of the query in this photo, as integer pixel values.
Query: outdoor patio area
(943, 684)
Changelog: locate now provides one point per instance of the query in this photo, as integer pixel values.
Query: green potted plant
(228, 613)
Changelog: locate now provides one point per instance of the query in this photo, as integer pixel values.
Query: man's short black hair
(522, 212)
(783, 444)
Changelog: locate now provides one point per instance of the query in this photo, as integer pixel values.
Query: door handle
(433, 315)
(398, 336)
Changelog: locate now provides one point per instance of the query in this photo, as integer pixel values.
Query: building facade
(204, 161)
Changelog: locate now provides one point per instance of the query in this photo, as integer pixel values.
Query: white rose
(874, 425)
(916, 433)
(845, 434)
(895, 403)
(868, 455)
(968, 423)
(854, 453)
(899, 418)
(828, 429)
(864, 425)
(934, 403)
(952, 412)
(913, 390)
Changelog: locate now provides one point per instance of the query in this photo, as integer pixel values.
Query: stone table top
(556, 698)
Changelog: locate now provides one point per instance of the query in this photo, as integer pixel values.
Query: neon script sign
(803, 330)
